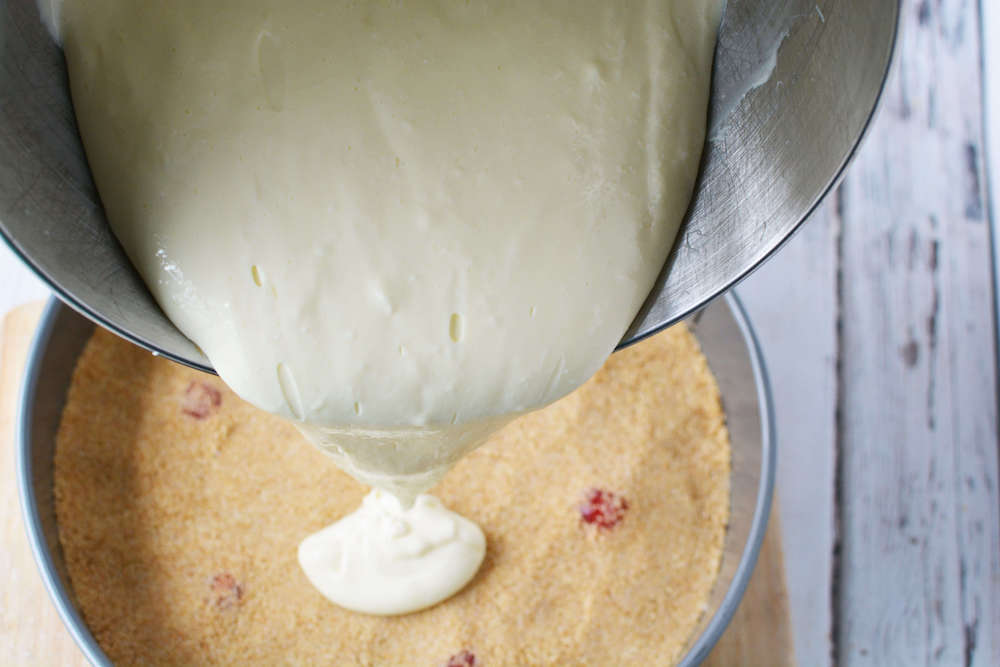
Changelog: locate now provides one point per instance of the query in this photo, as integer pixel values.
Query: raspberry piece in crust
(226, 591)
(602, 508)
(464, 658)
(201, 400)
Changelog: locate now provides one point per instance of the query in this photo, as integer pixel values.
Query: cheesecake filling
(362, 561)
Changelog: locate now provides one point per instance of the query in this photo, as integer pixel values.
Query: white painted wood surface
(792, 302)
(18, 285)
(918, 576)
(991, 79)
(896, 311)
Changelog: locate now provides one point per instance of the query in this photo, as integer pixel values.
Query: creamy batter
(390, 545)
(399, 224)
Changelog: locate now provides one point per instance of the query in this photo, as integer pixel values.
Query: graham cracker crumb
(180, 532)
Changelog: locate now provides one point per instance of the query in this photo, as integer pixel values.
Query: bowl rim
(68, 612)
(95, 316)
(78, 629)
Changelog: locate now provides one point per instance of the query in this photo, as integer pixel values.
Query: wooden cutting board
(32, 635)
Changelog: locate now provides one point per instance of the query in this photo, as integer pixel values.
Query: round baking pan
(726, 338)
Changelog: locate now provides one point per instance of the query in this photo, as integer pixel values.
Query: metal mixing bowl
(726, 339)
(795, 85)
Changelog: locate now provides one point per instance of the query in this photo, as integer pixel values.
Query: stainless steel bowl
(795, 85)
(726, 338)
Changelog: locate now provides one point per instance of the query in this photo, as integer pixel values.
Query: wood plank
(31, 632)
(792, 303)
(919, 575)
(991, 85)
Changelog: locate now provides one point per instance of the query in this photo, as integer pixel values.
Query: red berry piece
(602, 508)
(464, 658)
(226, 591)
(201, 400)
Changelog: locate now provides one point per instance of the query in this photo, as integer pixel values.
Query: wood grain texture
(792, 303)
(31, 632)
(991, 83)
(919, 569)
